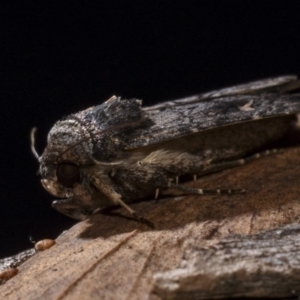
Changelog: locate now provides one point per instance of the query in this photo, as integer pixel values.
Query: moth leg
(238, 162)
(213, 167)
(195, 191)
(156, 193)
(115, 197)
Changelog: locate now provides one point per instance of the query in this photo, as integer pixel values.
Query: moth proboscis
(119, 151)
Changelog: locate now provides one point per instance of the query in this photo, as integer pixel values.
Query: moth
(119, 151)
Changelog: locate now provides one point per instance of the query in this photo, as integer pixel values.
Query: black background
(61, 58)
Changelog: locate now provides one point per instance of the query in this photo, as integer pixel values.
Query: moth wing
(173, 122)
(280, 84)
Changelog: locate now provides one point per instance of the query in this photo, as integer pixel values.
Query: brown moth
(119, 151)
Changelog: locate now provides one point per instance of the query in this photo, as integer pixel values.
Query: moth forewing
(281, 84)
(118, 151)
(173, 122)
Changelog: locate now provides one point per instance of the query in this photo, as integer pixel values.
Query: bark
(111, 256)
(262, 265)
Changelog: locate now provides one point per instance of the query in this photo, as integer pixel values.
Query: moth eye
(67, 173)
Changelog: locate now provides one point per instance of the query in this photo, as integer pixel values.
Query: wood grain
(111, 256)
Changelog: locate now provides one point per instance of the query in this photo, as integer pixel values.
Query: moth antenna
(102, 163)
(32, 146)
(86, 138)
(72, 146)
(95, 161)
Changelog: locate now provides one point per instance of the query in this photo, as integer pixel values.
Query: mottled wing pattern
(270, 85)
(173, 122)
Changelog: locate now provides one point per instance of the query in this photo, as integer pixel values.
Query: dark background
(61, 58)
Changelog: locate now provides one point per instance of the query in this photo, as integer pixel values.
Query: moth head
(84, 146)
(68, 151)
(67, 160)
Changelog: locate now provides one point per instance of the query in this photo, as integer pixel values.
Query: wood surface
(202, 247)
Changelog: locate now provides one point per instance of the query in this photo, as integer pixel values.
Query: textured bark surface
(261, 265)
(114, 257)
